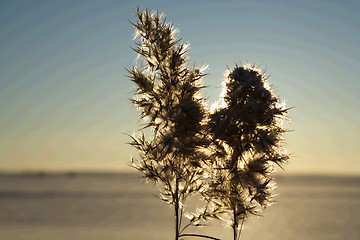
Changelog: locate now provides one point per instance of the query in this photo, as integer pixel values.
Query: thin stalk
(235, 225)
(198, 235)
(241, 226)
(176, 221)
(187, 225)
(177, 210)
(181, 217)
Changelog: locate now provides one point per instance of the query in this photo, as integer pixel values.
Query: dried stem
(198, 235)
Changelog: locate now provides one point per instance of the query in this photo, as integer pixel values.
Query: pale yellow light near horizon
(64, 95)
(76, 152)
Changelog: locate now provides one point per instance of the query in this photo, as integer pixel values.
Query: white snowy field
(122, 207)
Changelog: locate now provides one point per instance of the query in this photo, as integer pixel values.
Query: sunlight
(218, 105)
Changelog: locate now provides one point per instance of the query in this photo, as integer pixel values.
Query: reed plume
(226, 154)
(247, 143)
(168, 97)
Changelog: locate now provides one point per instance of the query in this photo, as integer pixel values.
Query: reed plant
(168, 96)
(226, 153)
(247, 135)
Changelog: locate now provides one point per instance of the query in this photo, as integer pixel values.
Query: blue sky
(64, 95)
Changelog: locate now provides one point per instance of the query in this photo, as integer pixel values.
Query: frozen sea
(123, 207)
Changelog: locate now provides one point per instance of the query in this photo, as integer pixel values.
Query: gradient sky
(64, 95)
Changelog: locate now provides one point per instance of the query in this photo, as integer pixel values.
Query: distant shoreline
(65, 174)
(288, 176)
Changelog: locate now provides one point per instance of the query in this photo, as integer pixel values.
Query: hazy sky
(64, 95)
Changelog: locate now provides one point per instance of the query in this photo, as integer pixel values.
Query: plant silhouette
(226, 154)
(168, 96)
(247, 139)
